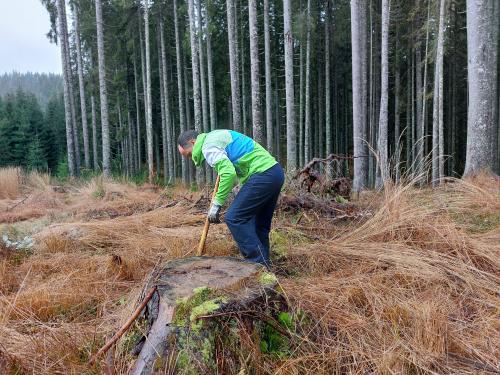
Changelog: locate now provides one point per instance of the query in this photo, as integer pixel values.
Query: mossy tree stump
(209, 315)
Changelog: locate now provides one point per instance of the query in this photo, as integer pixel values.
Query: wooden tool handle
(203, 238)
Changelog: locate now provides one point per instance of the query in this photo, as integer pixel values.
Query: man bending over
(237, 157)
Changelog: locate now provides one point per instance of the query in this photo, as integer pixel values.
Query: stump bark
(207, 311)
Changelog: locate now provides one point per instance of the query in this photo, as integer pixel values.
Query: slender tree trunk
(67, 106)
(161, 79)
(167, 143)
(138, 160)
(258, 131)
(196, 79)
(384, 99)
(328, 120)
(233, 65)
(419, 141)
(94, 132)
(409, 113)
(242, 60)
(106, 149)
(397, 131)
(302, 150)
(482, 36)
(211, 84)
(203, 79)
(437, 113)
(291, 138)
(74, 123)
(358, 33)
(308, 126)
(267, 68)
(180, 90)
(149, 112)
(81, 84)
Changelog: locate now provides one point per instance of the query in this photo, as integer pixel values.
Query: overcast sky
(23, 42)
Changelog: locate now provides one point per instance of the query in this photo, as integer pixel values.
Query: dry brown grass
(413, 289)
(10, 182)
(408, 291)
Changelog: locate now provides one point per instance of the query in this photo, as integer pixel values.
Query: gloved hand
(213, 213)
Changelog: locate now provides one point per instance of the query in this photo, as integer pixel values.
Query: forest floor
(405, 282)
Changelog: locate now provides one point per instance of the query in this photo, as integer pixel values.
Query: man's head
(186, 141)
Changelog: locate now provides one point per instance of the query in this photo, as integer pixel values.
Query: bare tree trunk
(161, 78)
(409, 113)
(267, 68)
(233, 65)
(358, 33)
(94, 132)
(258, 131)
(180, 90)
(81, 84)
(437, 112)
(482, 77)
(211, 84)
(397, 131)
(203, 79)
(302, 150)
(291, 138)
(242, 59)
(384, 99)
(167, 143)
(149, 112)
(138, 160)
(106, 149)
(196, 79)
(67, 106)
(328, 120)
(419, 141)
(308, 126)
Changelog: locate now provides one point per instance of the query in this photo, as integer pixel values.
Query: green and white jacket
(233, 155)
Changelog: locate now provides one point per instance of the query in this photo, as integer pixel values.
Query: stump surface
(190, 288)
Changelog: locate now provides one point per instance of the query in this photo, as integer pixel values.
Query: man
(236, 156)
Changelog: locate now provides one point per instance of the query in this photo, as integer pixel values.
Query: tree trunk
(149, 112)
(384, 99)
(67, 106)
(302, 150)
(81, 84)
(94, 133)
(196, 79)
(358, 33)
(258, 131)
(267, 68)
(328, 120)
(180, 90)
(203, 79)
(138, 160)
(74, 124)
(307, 120)
(437, 112)
(397, 131)
(419, 141)
(161, 79)
(242, 60)
(106, 149)
(482, 77)
(211, 84)
(168, 141)
(233, 65)
(291, 138)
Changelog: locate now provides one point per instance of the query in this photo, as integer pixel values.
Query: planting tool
(201, 245)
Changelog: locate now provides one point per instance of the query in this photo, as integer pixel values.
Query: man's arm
(217, 158)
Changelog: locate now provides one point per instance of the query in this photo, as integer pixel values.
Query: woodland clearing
(406, 283)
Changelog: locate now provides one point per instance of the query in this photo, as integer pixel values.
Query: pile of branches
(326, 184)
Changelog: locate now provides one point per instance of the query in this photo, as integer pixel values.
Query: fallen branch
(125, 327)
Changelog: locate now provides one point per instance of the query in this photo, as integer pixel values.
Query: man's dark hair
(186, 136)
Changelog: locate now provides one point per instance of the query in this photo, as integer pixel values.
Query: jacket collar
(197, 155)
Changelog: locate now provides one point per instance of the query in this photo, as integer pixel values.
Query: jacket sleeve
(225, 169)
(217, 158)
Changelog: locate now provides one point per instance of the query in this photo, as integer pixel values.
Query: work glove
(213, 213)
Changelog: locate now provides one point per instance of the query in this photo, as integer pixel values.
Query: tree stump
(207, 316)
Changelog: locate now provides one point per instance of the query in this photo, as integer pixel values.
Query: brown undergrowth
(411, 289)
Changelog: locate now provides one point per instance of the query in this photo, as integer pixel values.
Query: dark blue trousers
(249, 216)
